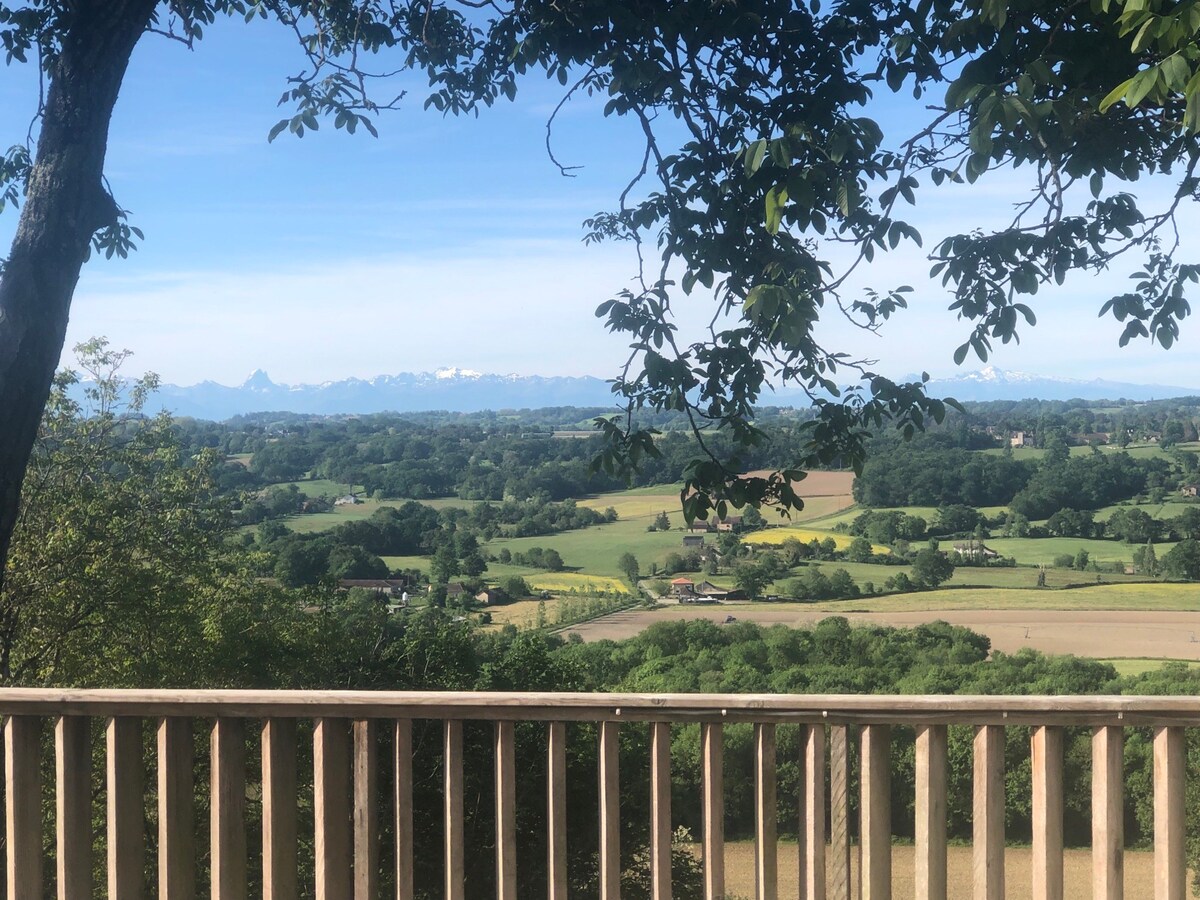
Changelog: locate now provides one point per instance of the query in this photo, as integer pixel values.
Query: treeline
(470, 457)
(451, 537)
(924, 473)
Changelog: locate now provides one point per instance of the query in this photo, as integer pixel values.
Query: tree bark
(65, 204)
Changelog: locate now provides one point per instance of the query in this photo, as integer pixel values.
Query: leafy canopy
(762, 164)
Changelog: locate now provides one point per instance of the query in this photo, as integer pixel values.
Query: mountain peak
(259, 380)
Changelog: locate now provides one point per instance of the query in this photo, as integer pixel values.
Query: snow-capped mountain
(466, 390)
(455, 389)
(992, 383)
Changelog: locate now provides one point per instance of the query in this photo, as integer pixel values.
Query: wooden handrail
(350, 727)
(872, 709)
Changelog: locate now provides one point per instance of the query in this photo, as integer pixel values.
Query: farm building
(693, 541)
(683, 587)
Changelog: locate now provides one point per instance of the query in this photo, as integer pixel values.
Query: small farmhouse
(491, 596)
(693, 541)
(683, 587)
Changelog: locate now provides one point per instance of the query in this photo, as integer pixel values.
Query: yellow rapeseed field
(577, 582)
(774, 536)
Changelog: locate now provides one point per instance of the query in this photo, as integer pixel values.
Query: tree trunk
(65, 204)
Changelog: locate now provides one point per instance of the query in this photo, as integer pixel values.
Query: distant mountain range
(464, 390)
(992, 383)
(452, 389)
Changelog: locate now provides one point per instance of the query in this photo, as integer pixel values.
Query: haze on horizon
(447, 242)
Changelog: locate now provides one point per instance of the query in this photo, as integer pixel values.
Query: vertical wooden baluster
(839, 812)
(610, 813)
(23, 807)
(279, 809)
(766, 863)
(176, 811)
(453, 771)
(660, 810)
(228, 813)
(1108, 827)
(73, 805)
(403, 787)
(812, 828)
(988, 813)
(1170, 863)
(875, 826)
(126, 845)
(1046, 757)
(713, 808)
(332, 809)
(556, 811)
(366, 812)
(931, 813)
(506, 812)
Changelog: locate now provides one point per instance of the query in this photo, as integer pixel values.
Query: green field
(1137, 451)
(964, 576)
(323, 487)
(1168, 509)
(596, 550)
(928, 513)
(1041, 551)
(1128, 667)
(1146, 596)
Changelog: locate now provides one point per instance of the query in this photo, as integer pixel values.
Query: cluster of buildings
(684, 590)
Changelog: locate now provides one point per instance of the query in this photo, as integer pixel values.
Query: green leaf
(775, 201)
(1114, 95)
(755, 154)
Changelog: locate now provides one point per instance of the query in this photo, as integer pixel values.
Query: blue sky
(444, 242)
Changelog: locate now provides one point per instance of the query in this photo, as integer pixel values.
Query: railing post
(988, 824)
(713, 811)
(660, 811)
(876, 823)
(930, 873)
(279, 809)
(73, 804)
(839, 812)
(506, 812)
(126, 846)
(228, 814)
(556, 810)
(610, 814)
(176, 814)
(1046, 757)
(403, 788)
(766, 861)
(366, 811)
(453, 763)
(1108, 825)
(1170, 863)
(23, 806)
(332, 809)
(812, 805)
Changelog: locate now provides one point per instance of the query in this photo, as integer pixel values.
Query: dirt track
(1166, 635)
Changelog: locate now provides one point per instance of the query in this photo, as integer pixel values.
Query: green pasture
(1145, 596)
(1137, 451)
(928, 513)
(1041, 551)
(596, 550)
(964, 576)
(1131, 667)
(323, 487)
(1168, 509)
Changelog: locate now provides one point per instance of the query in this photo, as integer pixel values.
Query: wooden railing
(346, 764)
